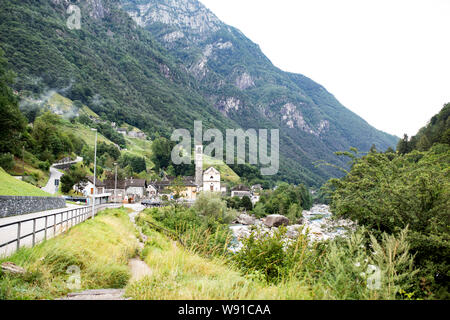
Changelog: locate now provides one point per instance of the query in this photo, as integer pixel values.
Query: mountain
(160, 65)
(241, 82)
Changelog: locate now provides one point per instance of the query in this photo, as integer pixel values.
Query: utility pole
(23, 160)
(115, 184)
(95, 173)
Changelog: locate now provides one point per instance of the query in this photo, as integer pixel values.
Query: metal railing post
(18, 235)
(34, 232)
(45, 233)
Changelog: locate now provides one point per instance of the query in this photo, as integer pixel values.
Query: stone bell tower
(199, 166)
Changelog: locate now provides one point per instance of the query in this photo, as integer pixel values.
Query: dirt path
(138, 269)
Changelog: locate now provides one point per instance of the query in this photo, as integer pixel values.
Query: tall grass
(179, 274)
(268, 267)
(100, 248)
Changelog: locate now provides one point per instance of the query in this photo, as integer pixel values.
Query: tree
(74, 177)
(177, 187)
(246, 203)
(280, 200)
(403, 146)
(12, 122)
(161, 153)
(388, 194)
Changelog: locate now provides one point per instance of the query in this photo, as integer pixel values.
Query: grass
(226, 173)
(178, 274)
(141, 148)
(9, 186)
(100, 248)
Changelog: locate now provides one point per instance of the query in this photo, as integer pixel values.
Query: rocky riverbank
(318, 221)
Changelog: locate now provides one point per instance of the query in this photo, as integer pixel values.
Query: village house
(164, 187)
(87, 190)
(204, 181)
(127, 189)
(122, 131)
(241, 191)
(137, 134)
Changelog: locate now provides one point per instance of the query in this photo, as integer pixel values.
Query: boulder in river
(276, 220)
(245, 219)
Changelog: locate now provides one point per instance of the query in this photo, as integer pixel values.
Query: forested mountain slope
(158, 81)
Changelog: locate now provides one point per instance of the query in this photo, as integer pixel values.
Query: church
(208, 180)
(204, 181)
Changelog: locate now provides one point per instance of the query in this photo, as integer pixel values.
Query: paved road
(55, 174)
(51, 187)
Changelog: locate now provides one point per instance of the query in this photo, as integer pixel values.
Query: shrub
(44, 165)
(198, 233)
(272, 255)
(294, 213)
(259, 210)
(7, 161)
(386, 193)
(246, 203)
(210, 204)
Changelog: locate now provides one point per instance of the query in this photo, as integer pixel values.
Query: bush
(7, 161)
(246, 203)
(198, 233)
(44, 165)
(279, 201)
(259, 210)
(211, 205)
(295, 213)
(272, 256)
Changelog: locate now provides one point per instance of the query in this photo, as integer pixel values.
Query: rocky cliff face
(188, 15)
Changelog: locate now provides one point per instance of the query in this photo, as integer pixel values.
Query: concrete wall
(16, 205)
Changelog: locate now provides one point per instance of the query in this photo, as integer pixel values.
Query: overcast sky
(386, 60)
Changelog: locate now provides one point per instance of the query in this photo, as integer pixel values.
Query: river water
(318, 221)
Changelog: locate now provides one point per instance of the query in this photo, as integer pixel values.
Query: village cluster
(134, 190)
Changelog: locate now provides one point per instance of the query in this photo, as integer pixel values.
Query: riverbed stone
(246, 219)
(276, 220)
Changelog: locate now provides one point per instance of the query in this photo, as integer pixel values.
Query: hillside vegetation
(10, 186)
(387, 192)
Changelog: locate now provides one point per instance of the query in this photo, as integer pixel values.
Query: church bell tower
(199, 166)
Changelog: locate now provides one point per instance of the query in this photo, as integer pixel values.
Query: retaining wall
(17, 205)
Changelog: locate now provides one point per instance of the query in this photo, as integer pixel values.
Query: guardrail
(29, 232)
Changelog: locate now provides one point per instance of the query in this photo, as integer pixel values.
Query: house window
(212, 187)
(92, 190)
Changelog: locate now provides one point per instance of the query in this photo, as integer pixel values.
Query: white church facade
(211, 180)
(208, 180)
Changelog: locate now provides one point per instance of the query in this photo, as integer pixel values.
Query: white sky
(386, 60)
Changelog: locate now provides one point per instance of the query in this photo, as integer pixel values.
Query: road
(55, 174)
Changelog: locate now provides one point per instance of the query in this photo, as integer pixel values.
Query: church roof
(211, 169)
